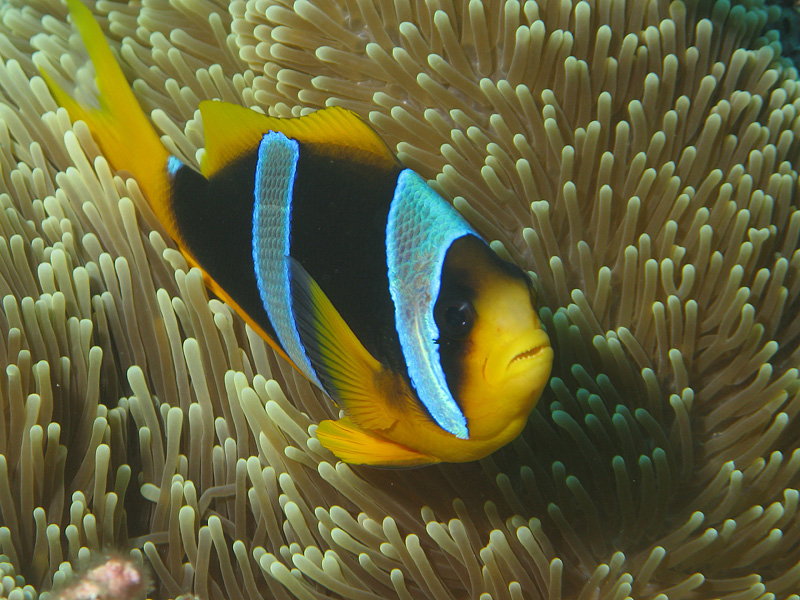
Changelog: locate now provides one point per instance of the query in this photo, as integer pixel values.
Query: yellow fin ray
(346, 368)
(354, 445)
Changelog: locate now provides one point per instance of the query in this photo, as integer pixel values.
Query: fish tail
(119, 125)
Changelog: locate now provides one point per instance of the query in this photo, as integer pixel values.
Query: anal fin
(354, 445)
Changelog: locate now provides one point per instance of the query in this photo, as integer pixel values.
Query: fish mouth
(527, 348)
(528, 354)
(524, 356)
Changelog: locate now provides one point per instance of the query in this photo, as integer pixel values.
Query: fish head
(494, 352)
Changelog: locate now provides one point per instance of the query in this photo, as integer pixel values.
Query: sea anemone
(638, 157)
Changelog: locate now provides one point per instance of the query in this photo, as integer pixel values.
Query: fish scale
(275, 172)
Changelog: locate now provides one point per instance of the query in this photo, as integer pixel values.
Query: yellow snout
(508, 364)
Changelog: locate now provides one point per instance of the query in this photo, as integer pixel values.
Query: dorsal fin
(232, 130)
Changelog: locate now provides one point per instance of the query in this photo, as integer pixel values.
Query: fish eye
(455, 319)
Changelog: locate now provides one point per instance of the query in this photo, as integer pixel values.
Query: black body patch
(215, 219)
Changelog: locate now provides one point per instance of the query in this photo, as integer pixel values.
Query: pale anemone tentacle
(639, 157)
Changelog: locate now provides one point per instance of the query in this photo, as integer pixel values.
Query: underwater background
(639, 157)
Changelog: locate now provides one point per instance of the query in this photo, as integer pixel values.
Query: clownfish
(347, 263)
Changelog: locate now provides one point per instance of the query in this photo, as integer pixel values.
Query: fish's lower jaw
(528, 374)
(514, 358)
(526, 350)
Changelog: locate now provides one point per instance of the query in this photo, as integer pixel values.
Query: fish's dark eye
(455, 319)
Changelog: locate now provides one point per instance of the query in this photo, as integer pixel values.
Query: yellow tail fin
(119, 125)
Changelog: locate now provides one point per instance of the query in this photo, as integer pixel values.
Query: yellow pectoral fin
(356, 446)
(349, 373)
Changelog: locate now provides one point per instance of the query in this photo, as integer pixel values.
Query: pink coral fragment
(116, 578)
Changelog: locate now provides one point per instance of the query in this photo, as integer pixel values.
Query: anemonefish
(374, 287)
